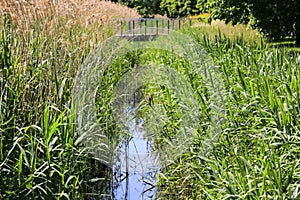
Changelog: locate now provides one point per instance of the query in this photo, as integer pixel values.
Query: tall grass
(40, 53)
(257, 154)
(217, 27)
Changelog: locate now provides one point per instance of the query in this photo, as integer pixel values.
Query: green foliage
(160, 94)
(257, 153)
(276, 19)
(170, 8)
(182, 8)
(148, 8)
(38, 155)
(256, 156)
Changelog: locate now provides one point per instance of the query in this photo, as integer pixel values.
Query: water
(136, 166)
(134, 185)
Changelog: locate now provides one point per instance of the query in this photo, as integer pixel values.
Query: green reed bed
(255, 157)
(257, 153)
(38, 155)
(146, 97)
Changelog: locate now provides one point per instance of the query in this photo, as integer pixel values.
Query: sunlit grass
(217, 27)
(41, 50)
(256, 156)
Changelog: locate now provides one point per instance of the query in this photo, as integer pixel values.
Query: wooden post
(173, 24)
(190, 22)
(163, 25)
(133, 26)
(140, 22)
(179, 24)
(151, 25)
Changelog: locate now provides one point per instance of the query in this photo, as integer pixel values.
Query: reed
(42, 44)
(256, 155)
(41, 50)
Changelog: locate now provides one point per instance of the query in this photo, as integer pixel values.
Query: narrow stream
(135, 169)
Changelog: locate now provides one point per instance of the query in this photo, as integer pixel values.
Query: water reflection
(136, 164)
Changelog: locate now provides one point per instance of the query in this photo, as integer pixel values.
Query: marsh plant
(256, 155)
(38, 155)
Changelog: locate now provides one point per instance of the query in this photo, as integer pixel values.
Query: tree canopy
(169, 8)
(179, 8)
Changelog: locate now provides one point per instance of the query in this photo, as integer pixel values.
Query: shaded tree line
(169, 8)
(276, 19)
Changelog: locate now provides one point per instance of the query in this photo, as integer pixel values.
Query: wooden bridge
(144, 29)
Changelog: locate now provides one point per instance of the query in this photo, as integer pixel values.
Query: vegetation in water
(255, 157)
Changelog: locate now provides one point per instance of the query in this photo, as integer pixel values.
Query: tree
(148, 8)
(277, 19)
(170, 8)
(179, 8)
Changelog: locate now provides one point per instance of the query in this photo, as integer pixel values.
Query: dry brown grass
(88, 14)
(74, 24)
(80, 8)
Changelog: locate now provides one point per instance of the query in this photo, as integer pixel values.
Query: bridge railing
(150, 26)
